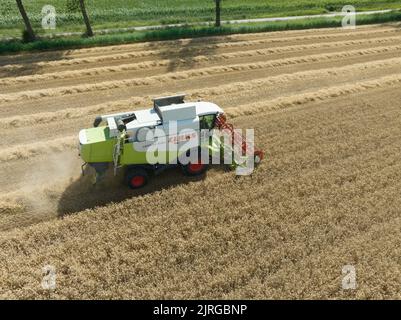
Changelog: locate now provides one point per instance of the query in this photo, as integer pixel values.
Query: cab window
(207, 122)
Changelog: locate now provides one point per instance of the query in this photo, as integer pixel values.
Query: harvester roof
(178, 112)
(172, 108)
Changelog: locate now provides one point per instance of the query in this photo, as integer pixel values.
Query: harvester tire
(194, 169)
(137, 178)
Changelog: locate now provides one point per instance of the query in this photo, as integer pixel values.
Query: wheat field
(325, 106)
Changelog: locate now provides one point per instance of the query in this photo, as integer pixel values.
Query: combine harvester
(126, 140)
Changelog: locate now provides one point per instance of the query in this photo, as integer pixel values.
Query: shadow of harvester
(82, 195)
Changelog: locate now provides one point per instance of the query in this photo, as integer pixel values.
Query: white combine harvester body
(127, 138)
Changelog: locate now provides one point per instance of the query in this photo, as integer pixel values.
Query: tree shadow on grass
(25, 64)
(81, 195)
(182, 53)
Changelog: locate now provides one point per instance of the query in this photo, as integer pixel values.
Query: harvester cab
(147, 142)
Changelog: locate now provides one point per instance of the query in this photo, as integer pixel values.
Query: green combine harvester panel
(98, 146)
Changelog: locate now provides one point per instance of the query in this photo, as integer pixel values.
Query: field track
(326, 108)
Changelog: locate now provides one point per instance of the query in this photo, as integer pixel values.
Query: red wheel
(137, 178)
(195, 169)
(137, 181)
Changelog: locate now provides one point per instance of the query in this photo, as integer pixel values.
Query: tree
(30, 34)
(89, 31)
(218, 13)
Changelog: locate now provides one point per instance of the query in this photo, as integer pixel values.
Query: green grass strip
(187, 32)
